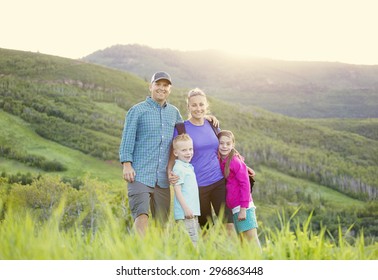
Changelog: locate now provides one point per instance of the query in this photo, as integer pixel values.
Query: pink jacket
(237, 186)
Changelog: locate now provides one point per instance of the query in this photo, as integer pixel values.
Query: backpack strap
(215, 129)
(251, 178)
(180, 126)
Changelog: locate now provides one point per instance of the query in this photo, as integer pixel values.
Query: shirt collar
(183, 163)
(154, 103)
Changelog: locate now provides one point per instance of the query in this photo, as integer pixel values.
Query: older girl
(238, 198)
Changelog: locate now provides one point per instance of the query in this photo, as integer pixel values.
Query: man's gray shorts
(142, 199)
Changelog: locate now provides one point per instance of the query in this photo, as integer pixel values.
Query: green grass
(10, 166)
(22, 136)
(112, 109)
(27, 233)
(23, 238)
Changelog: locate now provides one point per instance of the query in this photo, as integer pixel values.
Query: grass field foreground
(24, 238)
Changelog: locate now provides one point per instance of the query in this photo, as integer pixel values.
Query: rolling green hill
(297, 89)
(69, 114)
(19, 135)
(365, 127)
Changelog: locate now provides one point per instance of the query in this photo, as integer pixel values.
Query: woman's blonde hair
(233, 152)
(197, 92)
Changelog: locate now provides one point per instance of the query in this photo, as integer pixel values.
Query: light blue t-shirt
(189, 189)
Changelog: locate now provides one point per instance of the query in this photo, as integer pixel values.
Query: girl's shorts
(249, 223)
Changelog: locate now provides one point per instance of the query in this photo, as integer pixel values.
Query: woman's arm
(212, 120)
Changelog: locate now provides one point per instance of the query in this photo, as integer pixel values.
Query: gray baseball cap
(161, 76)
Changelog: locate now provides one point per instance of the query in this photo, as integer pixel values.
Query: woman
(211, 183)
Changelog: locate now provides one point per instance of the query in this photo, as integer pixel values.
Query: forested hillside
(297, 89)
(78, 106)
(365, 127)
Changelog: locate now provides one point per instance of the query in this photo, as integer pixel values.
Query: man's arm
(126, 148)
(128, 172)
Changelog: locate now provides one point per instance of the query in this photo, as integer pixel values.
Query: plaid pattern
(146, 140)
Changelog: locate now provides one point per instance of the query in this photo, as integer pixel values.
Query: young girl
(238, 196)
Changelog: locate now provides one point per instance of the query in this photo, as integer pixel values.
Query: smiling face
(183, 150)
(160, 91)
(197, 106)
(226, 144)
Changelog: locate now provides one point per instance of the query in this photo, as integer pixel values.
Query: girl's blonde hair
(197, 92)
(232, 153)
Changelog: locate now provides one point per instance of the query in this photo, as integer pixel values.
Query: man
(144, 153)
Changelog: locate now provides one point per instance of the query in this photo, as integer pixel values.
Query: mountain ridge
(298, 89)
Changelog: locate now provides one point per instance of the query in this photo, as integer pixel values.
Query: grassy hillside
(19, 134)
(365, 127)
(69, 115)
(298, 89)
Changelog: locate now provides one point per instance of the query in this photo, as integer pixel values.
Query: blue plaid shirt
(146, 140)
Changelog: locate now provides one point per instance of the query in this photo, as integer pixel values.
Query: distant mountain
(299, 89)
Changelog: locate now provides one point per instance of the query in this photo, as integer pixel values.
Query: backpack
(251, 178)
(180, 126)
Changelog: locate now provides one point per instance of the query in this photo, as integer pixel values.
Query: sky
(305, 30)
